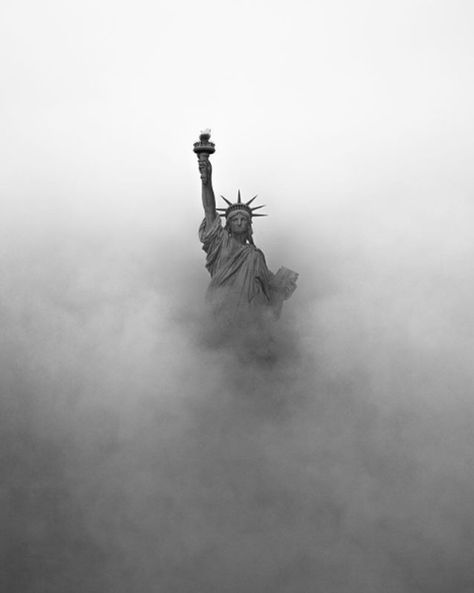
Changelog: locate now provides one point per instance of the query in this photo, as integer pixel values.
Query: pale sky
(340, 115)
(138, 457)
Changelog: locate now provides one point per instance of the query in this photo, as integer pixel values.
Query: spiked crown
(239, 206)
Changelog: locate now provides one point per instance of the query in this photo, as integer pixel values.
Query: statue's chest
(235, 251)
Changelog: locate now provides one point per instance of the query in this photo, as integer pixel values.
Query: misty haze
(138, 453)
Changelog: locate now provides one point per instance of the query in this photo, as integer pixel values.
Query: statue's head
(239, 216)
(239, 222)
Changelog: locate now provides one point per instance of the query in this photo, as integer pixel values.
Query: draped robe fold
(241, 290)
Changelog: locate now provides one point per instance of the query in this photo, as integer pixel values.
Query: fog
(139, 454)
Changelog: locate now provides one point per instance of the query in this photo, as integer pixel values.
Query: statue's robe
(241, 290)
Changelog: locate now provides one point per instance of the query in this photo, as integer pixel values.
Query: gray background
(135, 457)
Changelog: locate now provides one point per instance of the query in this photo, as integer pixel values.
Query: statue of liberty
(243, 292)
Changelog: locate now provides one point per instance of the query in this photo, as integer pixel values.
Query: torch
(203, 149)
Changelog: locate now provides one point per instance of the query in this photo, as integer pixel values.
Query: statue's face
(238, 224)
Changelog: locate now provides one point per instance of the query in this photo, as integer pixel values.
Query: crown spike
(241, 206)
(254, 215)
(250, 201)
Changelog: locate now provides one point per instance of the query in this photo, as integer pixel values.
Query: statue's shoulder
(210, 230)
(258, 253)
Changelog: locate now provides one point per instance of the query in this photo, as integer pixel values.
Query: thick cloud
(139, 456)
(139, 452)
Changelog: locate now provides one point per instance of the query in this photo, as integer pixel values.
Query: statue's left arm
(283, 285)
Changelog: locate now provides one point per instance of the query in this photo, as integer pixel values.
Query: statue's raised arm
(243, 292)
(203, 149)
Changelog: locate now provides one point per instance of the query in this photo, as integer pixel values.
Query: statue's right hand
(205, 169)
